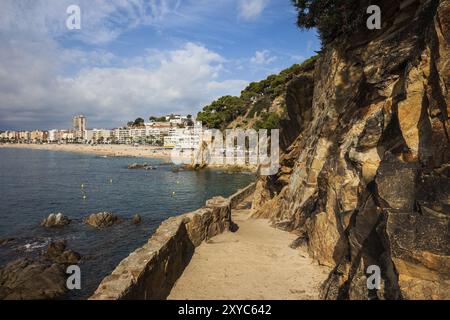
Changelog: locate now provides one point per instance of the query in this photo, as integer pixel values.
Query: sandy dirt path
(255, 262)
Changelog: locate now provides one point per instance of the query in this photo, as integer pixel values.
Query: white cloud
(102, 21)
(34, 93)
(251, 9)
(42, 84)
(262, 57)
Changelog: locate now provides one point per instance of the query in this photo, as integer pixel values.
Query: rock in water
(102, 220)
(6, 241)
(144, 166)
(43, 278)
(133, 166)
(55, 220)
(136, 219)
(25, 279)
(57, 253)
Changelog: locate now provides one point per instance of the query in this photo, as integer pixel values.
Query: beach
(101, 150)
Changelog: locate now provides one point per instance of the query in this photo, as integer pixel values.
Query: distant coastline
(101, 150)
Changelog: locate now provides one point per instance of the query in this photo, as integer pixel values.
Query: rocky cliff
(365, 176)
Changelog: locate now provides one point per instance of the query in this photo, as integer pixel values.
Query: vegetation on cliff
(332, 18)
(254, 102)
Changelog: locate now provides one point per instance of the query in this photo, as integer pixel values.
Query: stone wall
(241, 195)
(151, 271)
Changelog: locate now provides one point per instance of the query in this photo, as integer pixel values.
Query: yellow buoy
(173, 194)
(178, 182)
(84, 197)
(82, 185)
(110, 180)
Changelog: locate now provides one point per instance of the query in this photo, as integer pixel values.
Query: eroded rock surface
(41, 278)
(55, 220)
(367, 179)
(57, 252)
(28, 279)
(136, 219)
(102, 220)
(144, 166)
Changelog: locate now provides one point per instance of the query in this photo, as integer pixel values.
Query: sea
(35, 183)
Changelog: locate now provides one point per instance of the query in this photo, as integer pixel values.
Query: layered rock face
(102, 220)
(40, 278)
(55, 220)
(366, 180)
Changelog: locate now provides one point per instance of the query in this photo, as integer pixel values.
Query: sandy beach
(101, 150)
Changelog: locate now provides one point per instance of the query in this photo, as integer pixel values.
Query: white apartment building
(121, 135)
(137, 134)
(25, 135)
(10, 135)
(104, 135)
(177, 119)
(97, 135)
(54, 135)
(67, 135)
(88, 135)
(184, 138)
(171, 140)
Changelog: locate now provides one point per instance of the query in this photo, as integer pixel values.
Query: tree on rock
(332, 18)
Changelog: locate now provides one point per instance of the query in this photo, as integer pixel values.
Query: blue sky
(137, 57)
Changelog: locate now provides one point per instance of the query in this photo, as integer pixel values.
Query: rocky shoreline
(44, 275)
(41, 278)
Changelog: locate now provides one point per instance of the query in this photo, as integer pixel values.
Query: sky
(137, 58)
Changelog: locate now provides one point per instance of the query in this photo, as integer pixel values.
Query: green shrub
(258, 96)
(269, 120)
(259, 106)
(332, 18)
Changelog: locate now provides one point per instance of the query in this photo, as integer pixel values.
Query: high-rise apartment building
(79, 126)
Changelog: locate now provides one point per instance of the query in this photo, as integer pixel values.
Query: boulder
(38, 279)
(55, 220)
(25, 279)
(136, 219)
(144, 166)
(6, 241)
(102, 220)
(57, 253)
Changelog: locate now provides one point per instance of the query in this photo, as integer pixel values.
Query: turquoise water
(35, 183)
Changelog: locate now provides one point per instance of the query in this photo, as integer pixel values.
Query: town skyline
(169, 131)
(69, 122)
